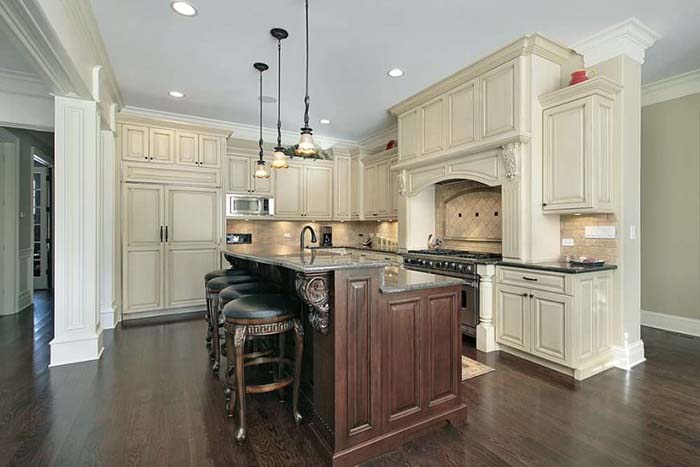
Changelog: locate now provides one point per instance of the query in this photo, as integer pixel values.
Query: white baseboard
(24, 300)
(76, 351)
(109, 317)
(673, 323)
(629, 355)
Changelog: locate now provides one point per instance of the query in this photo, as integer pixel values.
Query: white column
(78, 334)
(485, 331)
(109, 312)
(618, 53)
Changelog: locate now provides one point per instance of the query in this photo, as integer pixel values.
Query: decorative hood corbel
(511, 159)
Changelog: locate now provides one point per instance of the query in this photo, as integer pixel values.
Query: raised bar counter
(382, 346)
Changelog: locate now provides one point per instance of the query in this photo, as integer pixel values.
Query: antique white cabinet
(170, 239)
(565, 319)
(304, 191)
(343, 188)
(380, 186)
(199, 150)
(578, 148)
(240, 176)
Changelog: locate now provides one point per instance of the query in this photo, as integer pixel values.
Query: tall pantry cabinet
(171, 218)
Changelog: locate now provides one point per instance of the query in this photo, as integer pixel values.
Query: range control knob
(430, 263)
(460, 267)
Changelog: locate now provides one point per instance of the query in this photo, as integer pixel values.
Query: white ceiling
(353, 44)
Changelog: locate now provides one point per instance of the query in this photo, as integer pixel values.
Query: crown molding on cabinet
(377, 141)
(600, 85)
(630, 37)
(23, 83)
(532, 44)
(674, 87)
(235, 130)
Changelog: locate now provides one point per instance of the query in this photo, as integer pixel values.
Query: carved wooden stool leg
(239, 345)
(279, 368)
(207, 316)
(299, 333)
(216, 345)
(229, 376)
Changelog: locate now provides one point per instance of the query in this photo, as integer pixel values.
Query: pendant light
(261, 171)
(306, 147)
(279, 160)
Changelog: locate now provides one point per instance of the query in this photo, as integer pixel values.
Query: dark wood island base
(379, 367)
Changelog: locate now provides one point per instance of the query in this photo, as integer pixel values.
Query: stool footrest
(269, 387)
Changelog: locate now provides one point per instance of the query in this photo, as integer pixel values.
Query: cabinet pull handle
(532, 279)
(532, 295)
(161, 234)
(166, 233)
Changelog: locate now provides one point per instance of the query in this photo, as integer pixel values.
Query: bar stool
(207, 277)
(260, 315)
(235, 291)
(214, 286)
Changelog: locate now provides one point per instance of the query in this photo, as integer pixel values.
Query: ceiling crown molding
(630, 37)
(674, 87)
(237, 130)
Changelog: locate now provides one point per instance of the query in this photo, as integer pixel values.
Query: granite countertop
(394, 251)
(556, 266)
(397, 279)
(304, 260)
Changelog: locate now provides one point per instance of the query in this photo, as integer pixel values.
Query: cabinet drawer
(537, 280)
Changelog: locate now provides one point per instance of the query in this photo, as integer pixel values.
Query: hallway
(151, 400)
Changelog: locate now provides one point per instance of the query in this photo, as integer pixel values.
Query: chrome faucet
(303, 233)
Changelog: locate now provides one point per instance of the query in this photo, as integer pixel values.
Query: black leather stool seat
(235, 291)
(217, 284)
(224, 272)
(274, 306)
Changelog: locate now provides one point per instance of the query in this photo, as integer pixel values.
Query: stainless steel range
(455, 263)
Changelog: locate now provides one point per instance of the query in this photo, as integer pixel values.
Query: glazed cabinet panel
(500, 100)
(462, 106)
(186, 148)
(513, 317)
(161, 143)
(134, 145)
(238, 170)
(577, 154)
(210, 149)
(343, 188)
(318, 192)
(433, 126)
(409, 141)
(552, 327)
(289, 184)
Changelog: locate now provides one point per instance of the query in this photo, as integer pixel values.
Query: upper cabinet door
(238, 174)
(382, 190)
(319, 192)
(186, 148)
(210, 150)
(263, 186)
(193, 216)
(161, 145)
(462, 106)
(289, 187)
(432, 123)
(342, 193)
(356, 193)
(394, 193)
(567, 157)
(370, 191)
(499, 100)
(134, 144)
(409, 140)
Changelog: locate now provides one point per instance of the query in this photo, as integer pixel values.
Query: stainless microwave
(249, 206)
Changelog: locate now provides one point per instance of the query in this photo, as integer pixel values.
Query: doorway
(42, 222)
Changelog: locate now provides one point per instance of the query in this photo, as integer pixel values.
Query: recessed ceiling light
(177, 94)
(395, 72)
(183, 8)
(325, 121)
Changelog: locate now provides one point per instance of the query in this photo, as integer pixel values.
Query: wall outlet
(287, 235)
(567, 242)
(600, 231)
(633, 232)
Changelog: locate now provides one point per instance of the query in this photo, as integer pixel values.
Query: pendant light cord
(306, 98)
(260, 141)
(279, 93)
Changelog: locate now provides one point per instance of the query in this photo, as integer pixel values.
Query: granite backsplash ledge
(350, 233)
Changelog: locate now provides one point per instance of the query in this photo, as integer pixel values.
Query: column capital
(630, 37)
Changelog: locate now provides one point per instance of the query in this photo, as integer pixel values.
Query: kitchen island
(382, 350)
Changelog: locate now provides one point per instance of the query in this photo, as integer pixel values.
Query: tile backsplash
(574, 227)
(468, 216)
(344, 233)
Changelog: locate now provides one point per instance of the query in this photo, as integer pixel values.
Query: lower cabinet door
(143, 280)
(552, 327)
(513, 317)
(184, 272)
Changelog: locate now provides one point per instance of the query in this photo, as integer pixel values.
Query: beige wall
(344, 233)
(670, 229)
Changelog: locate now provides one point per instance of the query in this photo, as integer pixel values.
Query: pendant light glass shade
(261, 171)
(279, 159)
(306, 147)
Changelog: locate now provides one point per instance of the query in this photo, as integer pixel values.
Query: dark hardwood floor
(151, 400)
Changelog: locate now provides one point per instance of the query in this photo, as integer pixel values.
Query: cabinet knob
(544, 205)
(525, 294)
(145, 157)
(151, 158)
(532, 295)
